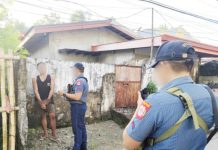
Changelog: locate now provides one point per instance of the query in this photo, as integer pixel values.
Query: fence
(7, 100)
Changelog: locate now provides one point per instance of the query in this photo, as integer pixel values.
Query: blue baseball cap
(172, 51)
(79, 66)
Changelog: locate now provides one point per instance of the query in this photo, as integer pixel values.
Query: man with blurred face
(179, 115)
(43, 86)
(77, 98)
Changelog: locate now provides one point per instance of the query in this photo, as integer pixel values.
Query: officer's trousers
(78, 125)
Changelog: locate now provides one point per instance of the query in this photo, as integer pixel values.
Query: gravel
(105, 135)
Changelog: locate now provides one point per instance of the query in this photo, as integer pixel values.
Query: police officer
(77, 100)
(179, 115)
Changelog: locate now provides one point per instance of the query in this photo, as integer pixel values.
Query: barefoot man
(43, 86)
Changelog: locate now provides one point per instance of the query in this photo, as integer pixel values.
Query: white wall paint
(77, 39)
(63, 73)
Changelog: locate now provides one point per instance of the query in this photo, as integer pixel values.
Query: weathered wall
(78, 39)
(20, 90)
(135, 57)
(63, 75)
(108, 92)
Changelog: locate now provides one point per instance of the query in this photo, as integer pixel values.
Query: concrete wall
(21, 97)
(135, 57)
(132, 57)
(78, 39)
(101, 81)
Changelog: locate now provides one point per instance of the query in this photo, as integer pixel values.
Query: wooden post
(12, 123)
(3, 102)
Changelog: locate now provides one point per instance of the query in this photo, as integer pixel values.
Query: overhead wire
(188, 23)
(92, 11)
(96, 14)
(134, 14)
(25, 11)
(163, 18)
(182, 11)
(192, 32)
(42, 7)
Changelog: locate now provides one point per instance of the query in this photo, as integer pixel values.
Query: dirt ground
(105, 135)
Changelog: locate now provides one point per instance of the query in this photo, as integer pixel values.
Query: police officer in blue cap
(77, 97)
(179, 115)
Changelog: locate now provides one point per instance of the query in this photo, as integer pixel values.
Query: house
(98, 41)
(143, 45)
(105, 42)
(112, 54)
(59, 41)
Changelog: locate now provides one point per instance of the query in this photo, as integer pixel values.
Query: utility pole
(152, 34)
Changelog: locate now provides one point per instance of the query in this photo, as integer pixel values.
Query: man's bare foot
(54, 139)
(43, 137)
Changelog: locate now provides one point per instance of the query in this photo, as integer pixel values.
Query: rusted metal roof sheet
(139, 43)
(202, 49)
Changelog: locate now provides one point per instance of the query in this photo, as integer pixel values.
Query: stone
(60, 116)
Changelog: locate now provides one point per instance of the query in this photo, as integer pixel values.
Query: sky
(134, 14)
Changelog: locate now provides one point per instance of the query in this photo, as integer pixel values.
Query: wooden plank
(3, 102)
(4, 110)
(126, 94)
(132, 91)
(12, 119)
(119, 98)
(9, 57)
(128, 83)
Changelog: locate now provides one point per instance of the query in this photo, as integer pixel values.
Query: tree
(9, 37)
(52, 18)
(79, 15)
(19, 26)
(179, 31)
(9, 34)
(3, 12)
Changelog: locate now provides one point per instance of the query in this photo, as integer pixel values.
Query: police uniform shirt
(81, 86)
(163, 110)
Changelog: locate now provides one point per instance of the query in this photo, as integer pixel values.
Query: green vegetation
(10, 32)
(80, 16)
(52, 18)
(151, 87)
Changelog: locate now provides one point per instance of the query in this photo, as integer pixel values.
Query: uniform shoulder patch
(143, 109)
(78, 82)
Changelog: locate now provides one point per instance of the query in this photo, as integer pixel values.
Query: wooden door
(128, 83)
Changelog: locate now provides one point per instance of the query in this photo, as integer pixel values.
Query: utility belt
(76, 102)
(189, 112)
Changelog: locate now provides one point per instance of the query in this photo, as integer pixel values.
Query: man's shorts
(50, 108)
